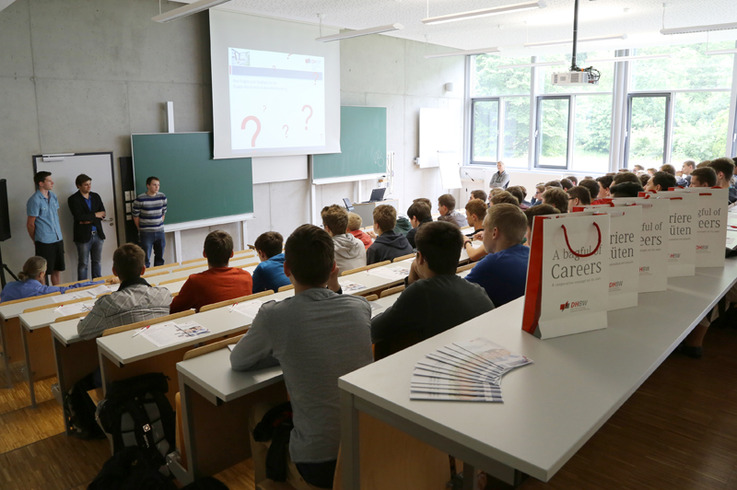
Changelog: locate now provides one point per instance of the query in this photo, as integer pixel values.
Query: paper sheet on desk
(392, 272)
(350, 286)
(464, 371)
(170, 333)
(74, 308)
(248, 309)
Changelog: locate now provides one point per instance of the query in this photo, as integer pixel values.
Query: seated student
(475, 214)
(354, 228)
(604, 182)
(684, 176)
(553, 183)
(478, 194)
(350, 252)
(626, 189)
(388, 244)
(503, 197)
(573, 179)
(703, 177)
(724, 168)
(644, 179)
(446, 208)
(556, 197)
(436, 299)
(668, 168)
(592, 186)
(316, 336)
(566, 184)
(519, 193)
(269, 274)
(660, 182)
(31, 282)
(539, 210)
(503, 272)
(625, 177)
(419, 213)
(134, 301)
(219, 282)
(538, 197)
(578, 196)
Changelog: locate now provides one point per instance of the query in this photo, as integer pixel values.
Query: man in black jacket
(88, 212)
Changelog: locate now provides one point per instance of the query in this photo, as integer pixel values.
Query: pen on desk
(140, 330)
(232, 307)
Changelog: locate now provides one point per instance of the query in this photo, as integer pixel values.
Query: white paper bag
(711, 224)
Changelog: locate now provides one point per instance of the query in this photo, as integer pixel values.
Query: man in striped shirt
(148, 215)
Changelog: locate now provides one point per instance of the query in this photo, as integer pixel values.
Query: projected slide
(277, 99)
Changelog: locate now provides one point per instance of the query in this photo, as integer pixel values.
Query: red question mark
(308, 117)
(258, 128)
(317, 75)
(286, 130)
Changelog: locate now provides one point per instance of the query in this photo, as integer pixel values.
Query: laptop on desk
(377, 194)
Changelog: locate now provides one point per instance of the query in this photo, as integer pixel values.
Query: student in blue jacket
(31, 282)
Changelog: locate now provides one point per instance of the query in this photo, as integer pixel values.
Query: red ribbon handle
(568, 244)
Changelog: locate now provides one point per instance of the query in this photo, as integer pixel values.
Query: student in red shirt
(219, 282)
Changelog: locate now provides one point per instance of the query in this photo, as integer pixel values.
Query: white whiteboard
(64, 169)
(437, 136)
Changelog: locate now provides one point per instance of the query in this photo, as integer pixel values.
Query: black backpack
(136, 413)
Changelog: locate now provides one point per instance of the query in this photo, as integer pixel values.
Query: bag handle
(568, 244)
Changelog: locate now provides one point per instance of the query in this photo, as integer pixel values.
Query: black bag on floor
(79, 412)
(131, 469)
(276, 426)
(136, 413)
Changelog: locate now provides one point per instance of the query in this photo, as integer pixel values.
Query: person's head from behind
(354, 221)
(625, 177)
(668, 168)
(129, 262)
(566, 184)
(604, 182)
(83, 183)
(553, 183)
(425, 200)
(578, 196)
(43, 180)
(703, 177)
(309, 256)
(218, 248)
(661, 182)
(439, 246)
(638, 168)
(626, 189)
(724, 168)
(505, 225)
(644, 179)
(573, 179)
(518, 192)
(385, 218)
(556, 197)
(592, 186)
(152, 185)
(475, 213)
(479, 194)
(503, 197)
(268, 244)
(418, 212)
(539, 210)
(33, 268)
(688, 167)
(446, 204)
(334, 219)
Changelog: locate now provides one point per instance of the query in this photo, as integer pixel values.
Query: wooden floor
(678, 431)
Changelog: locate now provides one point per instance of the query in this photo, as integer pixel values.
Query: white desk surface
(552, 407)
(211, 376)
(123, 348)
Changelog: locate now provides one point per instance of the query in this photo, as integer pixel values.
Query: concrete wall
(81, 76)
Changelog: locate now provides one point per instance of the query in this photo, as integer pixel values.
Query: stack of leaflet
(464, 371)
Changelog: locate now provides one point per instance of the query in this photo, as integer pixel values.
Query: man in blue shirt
(503, 273)
(269, 274)
(43, 225)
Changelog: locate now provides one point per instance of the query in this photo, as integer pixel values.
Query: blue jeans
(156, 241)
(85, 252)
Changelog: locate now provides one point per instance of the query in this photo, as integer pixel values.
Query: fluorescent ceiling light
(581, 40)
(530, 65)
(463, 53)
(186, 10)
(629, 58)
(475, 14)
(689, 30)
(722, 51)
(360, 32)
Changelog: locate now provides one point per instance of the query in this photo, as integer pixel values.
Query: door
(64, 170)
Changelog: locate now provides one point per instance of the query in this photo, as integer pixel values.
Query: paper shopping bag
(567, 275)
(711, 225)
(680, 231)
(625, 228)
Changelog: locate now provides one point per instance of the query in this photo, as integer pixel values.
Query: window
(648, 132)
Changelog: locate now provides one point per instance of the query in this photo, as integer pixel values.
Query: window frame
(667, 130)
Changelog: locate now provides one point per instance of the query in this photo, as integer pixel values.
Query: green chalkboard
(362, 144)
(196, 186)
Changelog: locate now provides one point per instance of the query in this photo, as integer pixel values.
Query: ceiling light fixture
(692, 29)
(361, 32)
(629, 58)
(531, 65)
(722, 51)
(581, 40)
(476, 14)
(463, 53)
(186, 10)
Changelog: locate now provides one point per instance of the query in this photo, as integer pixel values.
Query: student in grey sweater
(350, 252)
(316, 336)
(436, 299)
